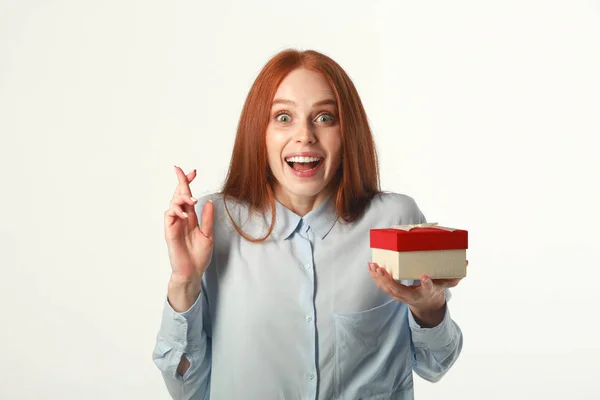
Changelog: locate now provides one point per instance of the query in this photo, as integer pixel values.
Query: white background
(487, 113)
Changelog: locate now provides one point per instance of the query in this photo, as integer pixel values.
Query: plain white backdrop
(486, 112)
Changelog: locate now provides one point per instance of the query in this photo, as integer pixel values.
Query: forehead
(302, 85)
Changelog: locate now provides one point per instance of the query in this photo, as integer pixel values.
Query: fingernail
(210, 201)
(193, 199)
(379, 271)
(185, 214)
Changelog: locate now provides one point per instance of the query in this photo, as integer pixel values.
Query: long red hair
(249, 179)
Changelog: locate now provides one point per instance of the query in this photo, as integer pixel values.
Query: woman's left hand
(427, 301)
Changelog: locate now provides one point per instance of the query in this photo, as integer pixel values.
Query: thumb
(207, 219)
(426, 282)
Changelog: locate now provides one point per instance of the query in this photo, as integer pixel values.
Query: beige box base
(408, 265)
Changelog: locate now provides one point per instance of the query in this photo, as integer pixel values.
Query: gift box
(409, 251)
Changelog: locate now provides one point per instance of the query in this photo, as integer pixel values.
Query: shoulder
(401, 207)
(215, 198)
(401, 200)
(223, 209)
(229, 211)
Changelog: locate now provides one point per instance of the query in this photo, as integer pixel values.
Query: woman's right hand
(190, 247)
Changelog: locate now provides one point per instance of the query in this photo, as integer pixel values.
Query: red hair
(249, 179)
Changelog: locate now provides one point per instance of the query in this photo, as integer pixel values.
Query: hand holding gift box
(409, 251)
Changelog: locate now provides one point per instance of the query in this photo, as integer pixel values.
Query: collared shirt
(299, 316)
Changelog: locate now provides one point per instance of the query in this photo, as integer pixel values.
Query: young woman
(272, 295)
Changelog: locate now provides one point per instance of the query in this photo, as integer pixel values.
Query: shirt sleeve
(437, 348)
(185, 334)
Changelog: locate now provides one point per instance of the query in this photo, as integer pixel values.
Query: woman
(272, 295)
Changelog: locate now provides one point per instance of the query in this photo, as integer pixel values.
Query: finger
(183, 186)
(208, 218)
(190, 177)
(396, 289)
(181, 200)
(186, 203)
(379, 283)
(174, 213)
(407, 293)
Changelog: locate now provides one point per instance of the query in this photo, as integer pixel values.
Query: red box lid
(418, 239)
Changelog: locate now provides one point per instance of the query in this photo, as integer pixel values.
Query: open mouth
(303, 164)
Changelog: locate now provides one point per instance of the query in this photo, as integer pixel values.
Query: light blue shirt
(299, 316)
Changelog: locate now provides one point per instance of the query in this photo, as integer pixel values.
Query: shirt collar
(321, 219)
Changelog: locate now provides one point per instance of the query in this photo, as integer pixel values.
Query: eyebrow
(331, 102)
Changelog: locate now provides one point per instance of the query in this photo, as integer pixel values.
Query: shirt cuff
(437, 337)
(178, 328)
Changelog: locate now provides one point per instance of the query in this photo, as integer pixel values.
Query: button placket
(310, 316)
(308, 265)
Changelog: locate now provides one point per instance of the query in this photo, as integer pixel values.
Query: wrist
(431, 315)
(182, 293)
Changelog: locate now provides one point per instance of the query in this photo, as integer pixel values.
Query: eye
(327, 116)
(283, 117)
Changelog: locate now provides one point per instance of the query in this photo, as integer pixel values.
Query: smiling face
(303, 138)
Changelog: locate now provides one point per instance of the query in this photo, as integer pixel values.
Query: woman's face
(304, 143)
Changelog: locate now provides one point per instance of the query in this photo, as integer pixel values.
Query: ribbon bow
(424, 225)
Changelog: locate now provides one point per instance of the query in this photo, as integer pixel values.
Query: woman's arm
(437, 344)
(436, 348)
(183, 352)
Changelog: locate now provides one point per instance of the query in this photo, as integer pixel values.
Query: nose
(305, 134)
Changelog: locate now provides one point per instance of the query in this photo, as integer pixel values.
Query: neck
(300, 205)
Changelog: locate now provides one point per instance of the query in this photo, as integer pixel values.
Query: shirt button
(307, 266)
(311, 377)
(308, 318)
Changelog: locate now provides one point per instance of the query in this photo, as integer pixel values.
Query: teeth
(302, 159)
